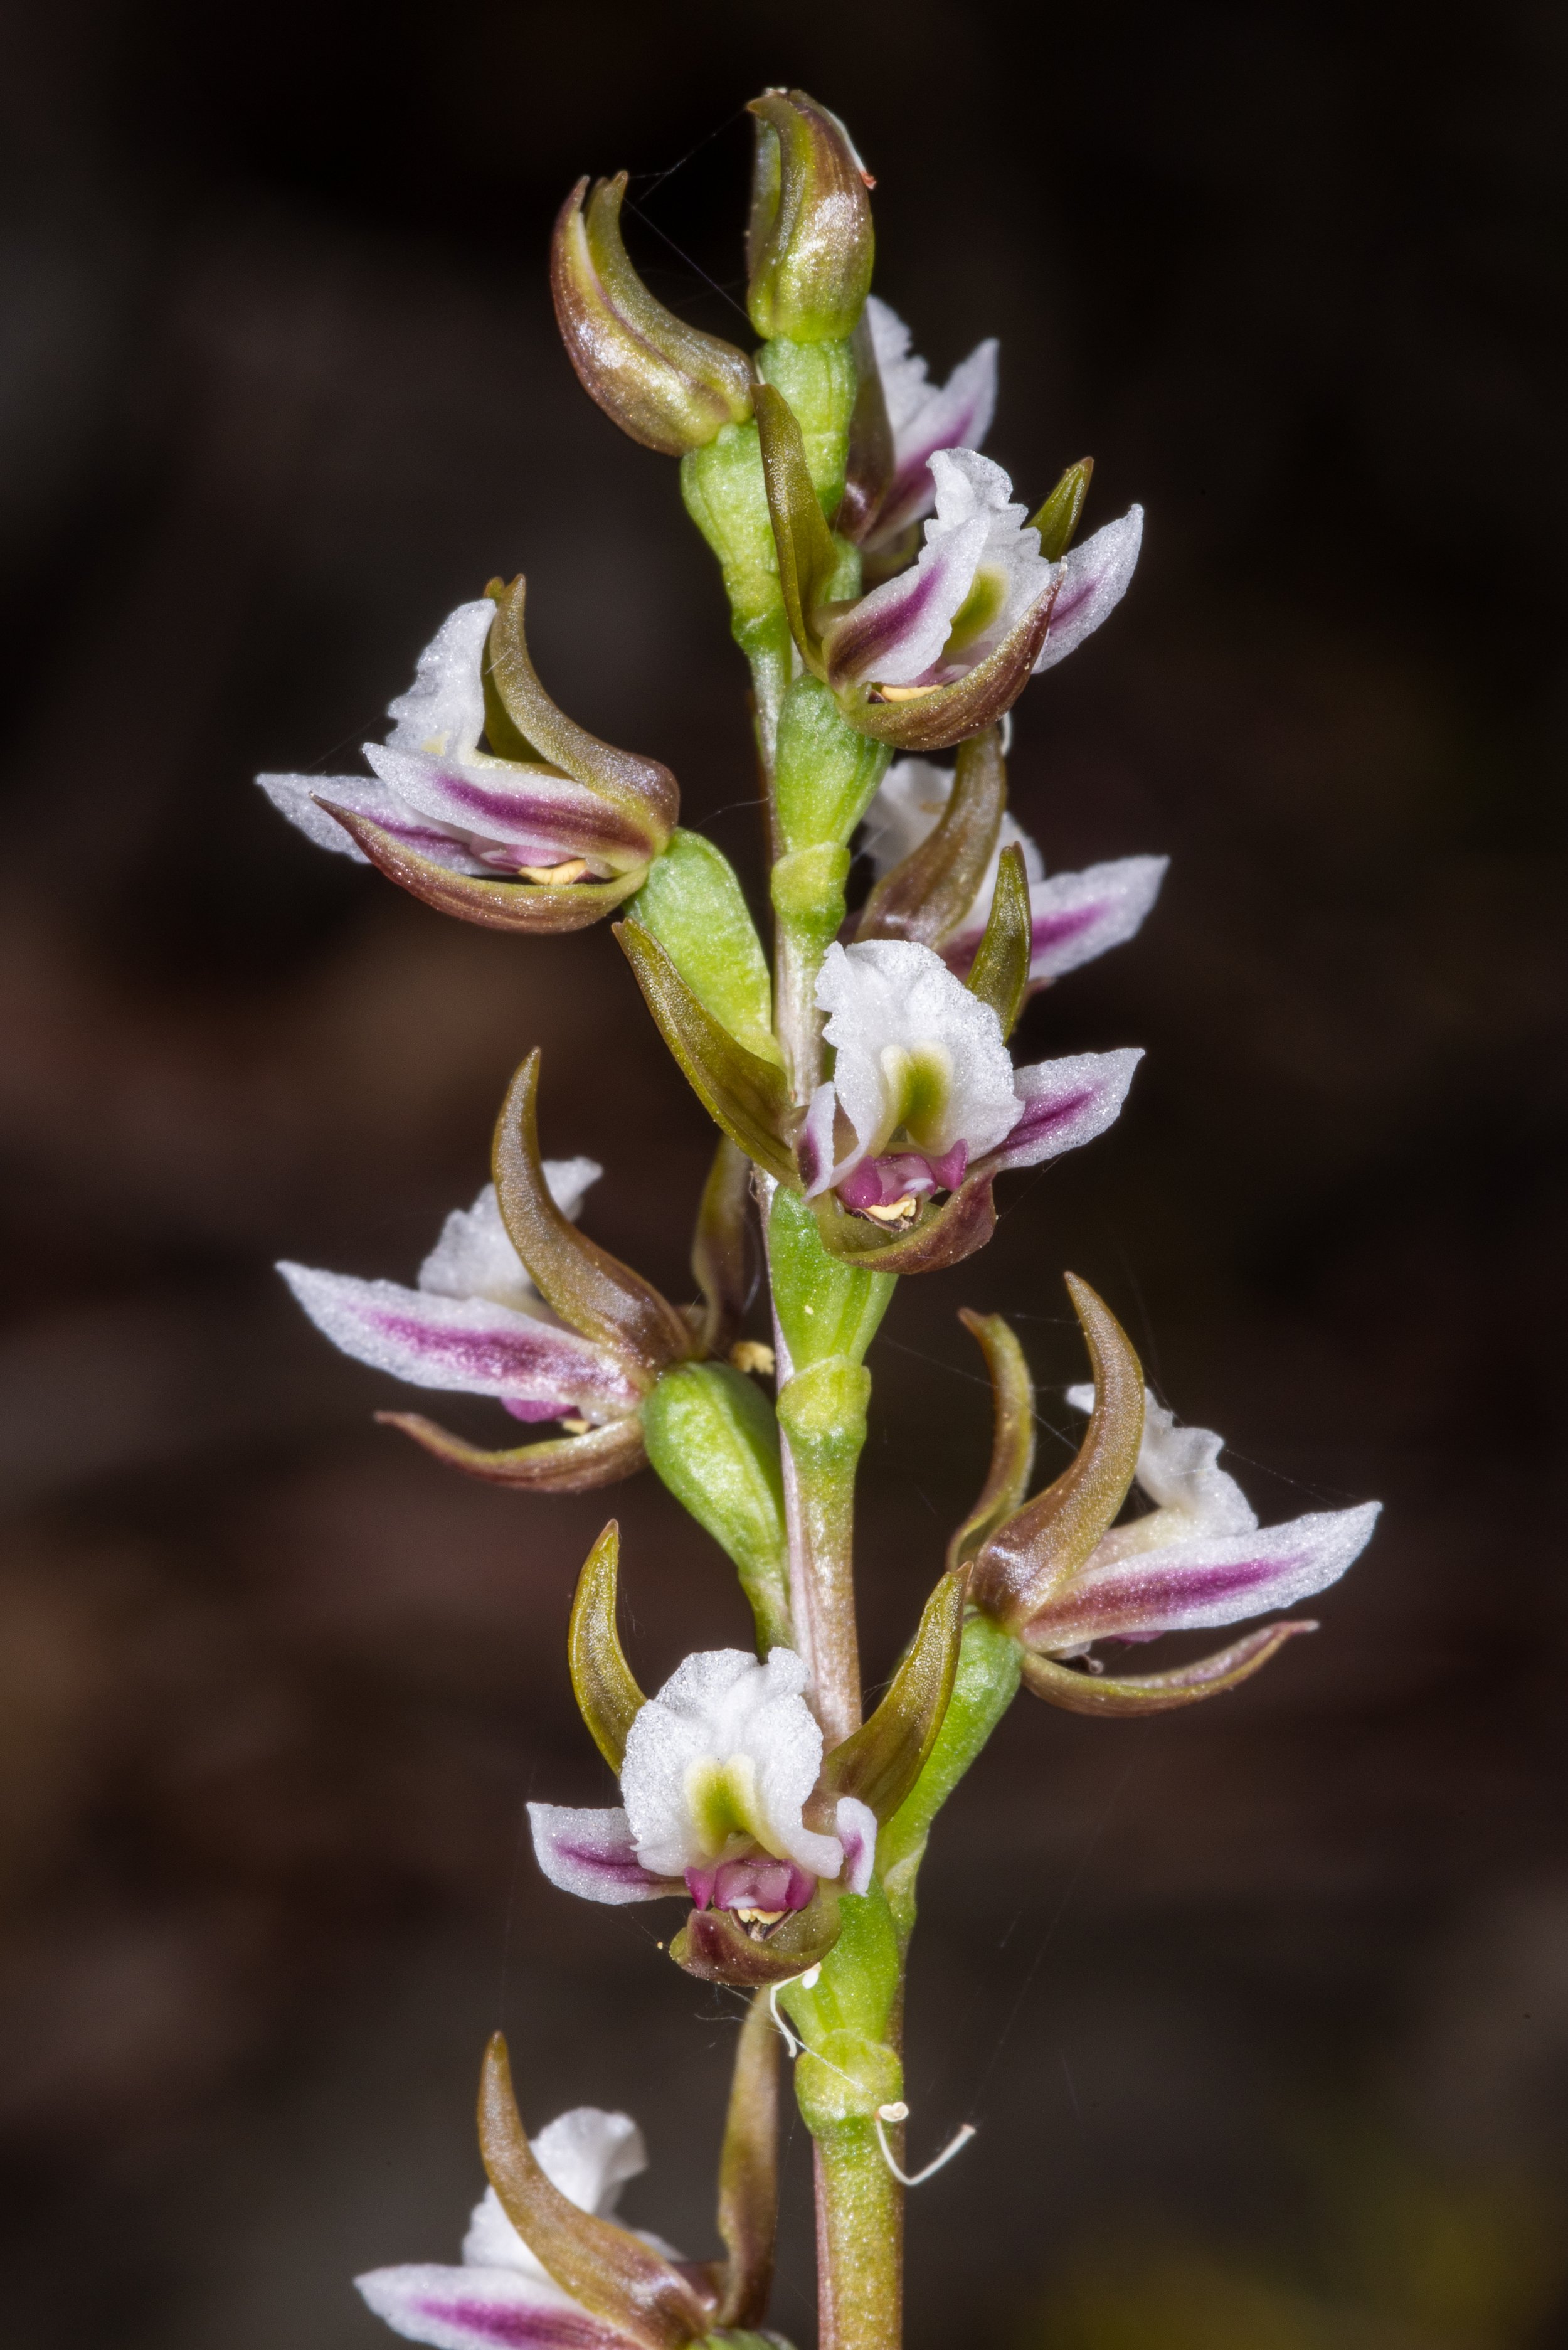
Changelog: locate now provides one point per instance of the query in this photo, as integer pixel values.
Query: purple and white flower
(475, 1323)
(1198, 1557)
(924, 417)
(719, 1771)
(924, 1094)
(979, 577)
(502, 2297)
(1075, 916)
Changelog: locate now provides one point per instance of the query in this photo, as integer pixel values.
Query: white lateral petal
(1066, 1103)
(1178, 1469)
(908, 806)
(443, 710)
(589, 1851)
(482, 2309)
(894, 635)
(1096, 576)
(1077, 916)
(857, 1824)
(474, 1256)
(892, 1002)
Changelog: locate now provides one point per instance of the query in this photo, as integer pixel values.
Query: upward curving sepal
(663, 382)
(998, 974)
(807, 556)
(927, 897)
(1058, 517)
(608, 1698)
(809, 245)
(721, 1247)
(872, 457)
(745, 1096)
(749, 2171)
(615, 2275)
(879, 1762)
(588, 1287)
(1012, 1435)
(1038, 1548)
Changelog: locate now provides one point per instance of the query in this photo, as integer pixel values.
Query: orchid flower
(1060, 1575)
(547, 829)
(1073, 917)
(503, 2295)
(924, 1097)
(923, 418)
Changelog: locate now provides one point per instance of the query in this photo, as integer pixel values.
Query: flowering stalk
(893, 601)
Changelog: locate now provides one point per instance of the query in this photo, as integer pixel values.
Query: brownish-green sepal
(868, 469)
(947, 715)
(881, 1761)
(1058, 517)
(665, 384)
(715, 1947)
(532, 906)
(641, 789)
(1011, 1439)
(1035, 1551)
(586, 1286)
(998, 974)
(927, 897)
(749, 2171)
(807, 558)
(612, 2274)
(809, 245)
(1087, 1692)
(940, 1236)
(720, 1246)
(565, 1464)
(607, 1696)
(745, 1096)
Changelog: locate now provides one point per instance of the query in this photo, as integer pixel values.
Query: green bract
(712, 1437)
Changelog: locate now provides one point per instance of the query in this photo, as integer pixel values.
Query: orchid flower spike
(1060, 1575)
(513, 1302)
(1073, 917)
(727, 1798)
(924, 1099)
(545, 829)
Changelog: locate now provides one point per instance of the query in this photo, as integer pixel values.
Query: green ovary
(919, 1098)
(723, 1803)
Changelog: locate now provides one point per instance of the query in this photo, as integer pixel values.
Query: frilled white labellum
(1073, 915)
(502, 2295)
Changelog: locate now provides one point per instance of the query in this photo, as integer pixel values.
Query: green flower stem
(990, 1663)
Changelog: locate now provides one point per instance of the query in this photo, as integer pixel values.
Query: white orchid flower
(1073, 915)
(924, 1094)
(923, 416)
(719, 1768)
(503, 2295)
(1198, 1557)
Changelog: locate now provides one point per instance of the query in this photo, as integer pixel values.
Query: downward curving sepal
(927, 897)
(586, 1286)
(1088, 1692)
(1012, 1435)
(937, 716)
(720, 1247)
(807, 556)
(602, 1682)
(998, 974)
(614, 2274)
(663, 382)
(749, 2171)
(1035, 1551)
(715, 1947)
(745, 1096)
(881, 1761)
(809, 245)
(538, 908)
(566, 1465)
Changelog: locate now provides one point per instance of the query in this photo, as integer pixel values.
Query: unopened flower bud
(809, 247)
(669, 386)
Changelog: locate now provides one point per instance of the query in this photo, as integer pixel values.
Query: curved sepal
(1035, 1551)
(614, 2274)
(869, 473)
(749, 2171)
(809, 246)
(1058, 516)
(1087, 1692)
(744, 1096)
(942, 1235)
(998, 974)
(1013, 1434)
(933, 718)
(642, 788)
(880, 1762)
(715, 1947)
(713, 1439)
(566, 1465)
(691, 902)
(537, 907)
(927, 897)
(807, 556)
(721, 1247)
(663, 382)
(608, 1698)
(586, 1286)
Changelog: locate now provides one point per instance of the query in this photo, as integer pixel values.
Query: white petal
(474, 1256)
(1066, 1103)
(294, 798)
(888, 997)
(814, 1145)
(589, 1851)
(1178, 1469)
(895, 634)
(1097, 575)
(473, 2308)
(590, 2155)
(1077, 916)
(857, 1824)
(443, 710)
(971, 488)
(721, 1707)
(923, 418)
(908, 806)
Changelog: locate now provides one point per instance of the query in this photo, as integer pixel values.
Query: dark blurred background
(1262, 2009)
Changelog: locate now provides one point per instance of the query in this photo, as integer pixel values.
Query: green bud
(809, 246)
(744, 1095)
(692, 904)
(826, 1308)
(712, 1437)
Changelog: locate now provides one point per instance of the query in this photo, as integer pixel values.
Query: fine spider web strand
(681, 254)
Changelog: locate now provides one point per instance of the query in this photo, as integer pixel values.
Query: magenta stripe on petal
(1064, 1104)
(588, 1851)
(519, 2323)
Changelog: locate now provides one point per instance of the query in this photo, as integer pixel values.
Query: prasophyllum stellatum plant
(867, 1104)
